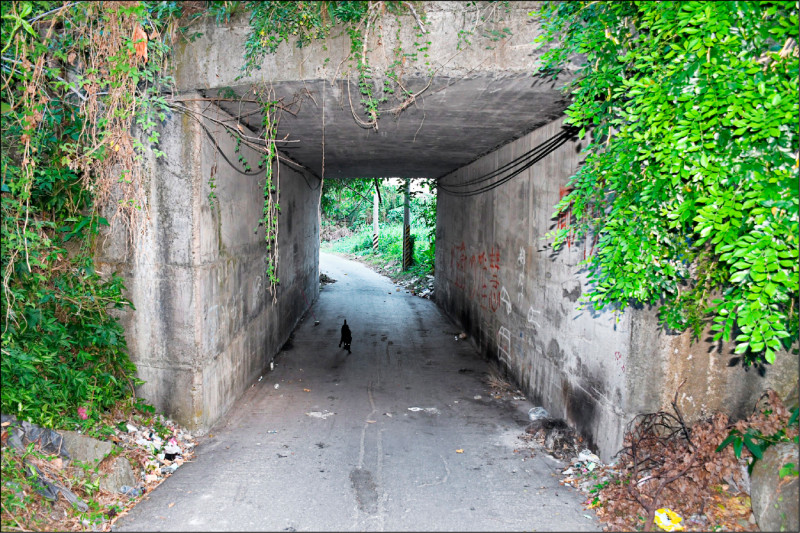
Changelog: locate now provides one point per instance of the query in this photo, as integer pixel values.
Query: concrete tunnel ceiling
(471, 99)
(453, 122)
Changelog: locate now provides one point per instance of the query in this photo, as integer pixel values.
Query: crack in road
(369, 499)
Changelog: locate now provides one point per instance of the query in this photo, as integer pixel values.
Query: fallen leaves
(140, 42)
(689, 477)
(732, 510)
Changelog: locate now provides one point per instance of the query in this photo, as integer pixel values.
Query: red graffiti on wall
(458, 262)
(473, 269)
(480, 280)
(481, 271)
(620, 362)
(478, 269)
(494, 267)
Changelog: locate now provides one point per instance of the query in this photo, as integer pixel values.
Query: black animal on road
(346, 338)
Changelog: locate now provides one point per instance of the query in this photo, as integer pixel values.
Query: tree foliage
(689, 189)
(345, 201)
(348, 203)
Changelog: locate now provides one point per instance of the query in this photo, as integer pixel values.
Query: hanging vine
(273, 23)
(302, 22)
(271, 188)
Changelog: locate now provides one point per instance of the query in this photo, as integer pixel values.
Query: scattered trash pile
(20, 436)
(586, 472)
(160, 451)
(426, 287)
(100, 479)
(421, 286)
(552, 434)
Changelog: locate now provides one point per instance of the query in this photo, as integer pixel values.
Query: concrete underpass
(402, 434)
(206, 327)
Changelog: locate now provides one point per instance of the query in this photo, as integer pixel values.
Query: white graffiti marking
(504, 344)
(531, 317)
(505, 299)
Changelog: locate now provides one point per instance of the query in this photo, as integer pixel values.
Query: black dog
(346, 338)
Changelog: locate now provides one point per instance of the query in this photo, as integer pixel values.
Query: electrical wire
(554, 141)
(214, 141)
(233, 165)
(523, 162)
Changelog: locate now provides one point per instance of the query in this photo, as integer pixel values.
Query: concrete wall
(214, 59)
(499, 279)
(205, 325)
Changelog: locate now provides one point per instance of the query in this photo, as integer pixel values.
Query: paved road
(367, 441)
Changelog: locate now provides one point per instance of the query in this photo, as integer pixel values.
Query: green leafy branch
(757, 442)
(689, 189)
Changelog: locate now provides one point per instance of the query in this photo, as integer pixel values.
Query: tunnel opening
(461, 111)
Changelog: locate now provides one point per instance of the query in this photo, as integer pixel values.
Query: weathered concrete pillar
(205, 325)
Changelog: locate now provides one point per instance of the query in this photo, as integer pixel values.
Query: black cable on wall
(510, 170)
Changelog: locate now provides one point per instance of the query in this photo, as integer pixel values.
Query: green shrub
(689, 188)
(390, 245)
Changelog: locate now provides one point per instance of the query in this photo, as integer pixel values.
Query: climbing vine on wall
(81, 96)
(272, 206)
(274, 23)
(690, 181)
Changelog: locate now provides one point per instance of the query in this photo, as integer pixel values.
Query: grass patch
(390, 247)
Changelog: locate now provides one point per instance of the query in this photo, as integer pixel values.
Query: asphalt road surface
(388, 438)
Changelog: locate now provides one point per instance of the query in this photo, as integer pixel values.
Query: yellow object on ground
(668, 520)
